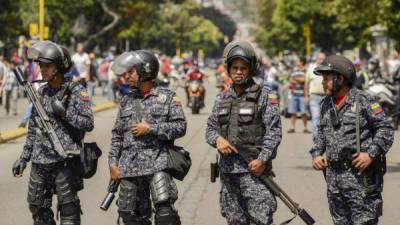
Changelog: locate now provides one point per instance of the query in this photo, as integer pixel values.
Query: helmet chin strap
(242, 82)
(336, 86)
(54, 76)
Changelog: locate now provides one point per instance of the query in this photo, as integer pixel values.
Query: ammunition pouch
(373, 176)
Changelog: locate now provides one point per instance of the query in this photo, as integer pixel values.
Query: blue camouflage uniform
(51, 173)
(354, 197)
(244, 199)
(139, 158)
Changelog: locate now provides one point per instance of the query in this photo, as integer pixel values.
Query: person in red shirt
(196, 75)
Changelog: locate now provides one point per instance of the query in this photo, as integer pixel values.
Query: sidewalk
(9, 124)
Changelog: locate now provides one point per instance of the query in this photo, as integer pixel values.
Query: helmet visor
(324, 69)
(123, 63)
(42, 52)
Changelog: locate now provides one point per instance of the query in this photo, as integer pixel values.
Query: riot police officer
(354, 169)
(68, 107)
(245, 116)
(150, 118)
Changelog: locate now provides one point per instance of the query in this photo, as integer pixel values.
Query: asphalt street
(198, 198)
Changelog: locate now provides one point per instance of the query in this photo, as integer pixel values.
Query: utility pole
(307, 35)
(41, 20)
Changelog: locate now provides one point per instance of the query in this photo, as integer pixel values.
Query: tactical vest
(240, 120)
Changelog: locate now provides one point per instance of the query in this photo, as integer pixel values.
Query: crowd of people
(301, 91)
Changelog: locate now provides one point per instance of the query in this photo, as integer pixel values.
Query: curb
(12, 134)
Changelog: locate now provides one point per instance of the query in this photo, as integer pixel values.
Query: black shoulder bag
(86, 164)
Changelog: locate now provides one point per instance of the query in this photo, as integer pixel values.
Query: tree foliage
(336, 24)
(154, 24)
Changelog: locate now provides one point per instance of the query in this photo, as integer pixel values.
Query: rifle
(43, 121)
(267, 179)
(112, 188)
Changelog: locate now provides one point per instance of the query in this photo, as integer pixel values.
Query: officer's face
(239, 70)
(133, 78)
(48, 71)
(327, 83)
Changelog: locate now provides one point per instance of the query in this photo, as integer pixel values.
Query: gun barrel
(20, 76)
(277, 190)
(105, 204)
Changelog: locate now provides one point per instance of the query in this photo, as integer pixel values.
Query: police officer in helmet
(150, 118)
(68, 107)
(246, 116)
(354, 170)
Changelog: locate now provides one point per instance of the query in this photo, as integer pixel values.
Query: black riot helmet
(50, 52)
(338, 65)
(243, 50)
(144, 62)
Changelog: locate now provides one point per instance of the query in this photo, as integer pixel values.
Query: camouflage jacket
(338, 141)
(138, 156)
(70, 130)
(269, 109)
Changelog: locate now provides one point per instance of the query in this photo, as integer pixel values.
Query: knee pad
(160, 188)
(70, 213)
(42, 216)
(166, 215)
(131, 219)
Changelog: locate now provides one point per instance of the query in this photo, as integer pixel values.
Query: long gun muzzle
(112, 188)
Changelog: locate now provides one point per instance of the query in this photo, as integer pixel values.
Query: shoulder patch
(162, 98)
(85, 96)
(177, 101)
(273, 98)
(376, 108)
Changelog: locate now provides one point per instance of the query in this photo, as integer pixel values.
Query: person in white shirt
(314, 92)
(82, 64)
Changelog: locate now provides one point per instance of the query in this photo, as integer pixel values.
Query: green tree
(10, 20)
(336, 25)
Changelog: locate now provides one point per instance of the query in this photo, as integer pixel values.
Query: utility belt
(340, 166)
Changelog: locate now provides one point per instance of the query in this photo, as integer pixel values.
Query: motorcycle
(195, 96)
(385, 93)
(176, 78)
(220, 82)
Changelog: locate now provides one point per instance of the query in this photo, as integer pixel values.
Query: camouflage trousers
(350, 203)
(245, 200)
(135, 198)
(56, 178)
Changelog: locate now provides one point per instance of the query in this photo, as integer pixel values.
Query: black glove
(18, 167)
(58, 107)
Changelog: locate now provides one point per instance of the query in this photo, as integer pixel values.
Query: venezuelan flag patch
(273, 98)
(376, 108)
(177, 101)
(85, 96)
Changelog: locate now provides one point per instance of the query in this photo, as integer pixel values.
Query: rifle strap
(137, 107)
(289, 220)
(358, 124)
